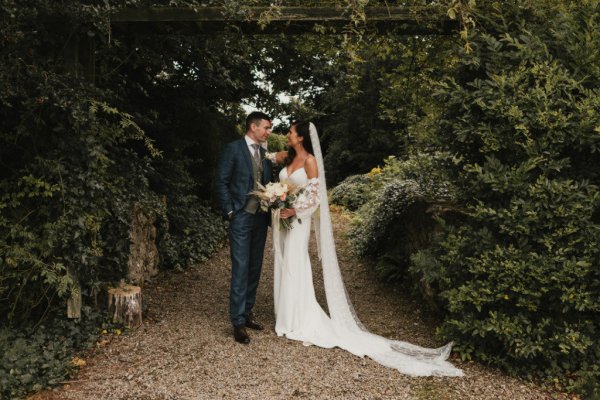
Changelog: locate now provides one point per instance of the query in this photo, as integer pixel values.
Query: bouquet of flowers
(277, 196)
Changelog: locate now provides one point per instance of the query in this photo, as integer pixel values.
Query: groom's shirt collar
(250, 142)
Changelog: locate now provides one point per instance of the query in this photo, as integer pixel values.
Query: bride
(298, 314)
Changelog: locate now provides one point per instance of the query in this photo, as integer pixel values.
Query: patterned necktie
(256, 154)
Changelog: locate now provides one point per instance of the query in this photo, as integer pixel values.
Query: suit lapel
(246, 153)
(265, 165)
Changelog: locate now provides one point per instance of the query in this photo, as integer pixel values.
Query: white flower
(276, 189)
(280, 190)
(271, 156)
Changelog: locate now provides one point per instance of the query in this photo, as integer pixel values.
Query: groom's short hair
(254, 118)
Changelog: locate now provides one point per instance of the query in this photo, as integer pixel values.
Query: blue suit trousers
(247, 237)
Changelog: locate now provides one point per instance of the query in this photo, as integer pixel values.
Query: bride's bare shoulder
(311, 160)
(310, 166)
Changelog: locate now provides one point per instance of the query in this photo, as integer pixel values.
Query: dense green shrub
(428, 169)
(277, 142)
(76, 156)
(73, 165)
(191, 231)
(59, 207)
(352, 192)
(398, 217)
(520, 273)
(374, 94)
(373, 226)
(31, 360)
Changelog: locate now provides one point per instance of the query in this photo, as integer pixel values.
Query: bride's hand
(287, 213)
(279, 157)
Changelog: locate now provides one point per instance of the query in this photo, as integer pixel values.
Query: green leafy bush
(374, 224)
(277, 142)
(74, 163)
(399, 217)
(519, 273)
(59, 207)
(352, 192)
(190, 231)
(34, 358)
(74, 159)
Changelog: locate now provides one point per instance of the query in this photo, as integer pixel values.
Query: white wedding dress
(298, 314)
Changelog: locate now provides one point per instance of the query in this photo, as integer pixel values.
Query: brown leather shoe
(254, 325)
(240, 335)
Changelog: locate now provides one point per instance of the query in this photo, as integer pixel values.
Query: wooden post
(72, 57)
(74, 303)
(125, 304)
(292, 19)
(71, 63)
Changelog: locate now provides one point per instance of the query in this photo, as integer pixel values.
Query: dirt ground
(185, 348)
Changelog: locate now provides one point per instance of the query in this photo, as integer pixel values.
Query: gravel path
(185, 348)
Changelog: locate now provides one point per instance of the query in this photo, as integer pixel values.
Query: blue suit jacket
(234, 176)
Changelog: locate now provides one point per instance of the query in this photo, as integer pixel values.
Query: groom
(242, 165)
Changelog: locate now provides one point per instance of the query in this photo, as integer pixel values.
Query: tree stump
(125, 304)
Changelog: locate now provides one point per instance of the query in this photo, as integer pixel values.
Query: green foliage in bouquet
(520, 272)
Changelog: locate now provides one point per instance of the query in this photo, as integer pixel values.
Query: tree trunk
(143, 252)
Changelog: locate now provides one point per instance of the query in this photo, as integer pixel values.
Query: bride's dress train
(298, 314)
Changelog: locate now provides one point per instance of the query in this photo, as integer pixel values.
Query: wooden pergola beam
(287, 19)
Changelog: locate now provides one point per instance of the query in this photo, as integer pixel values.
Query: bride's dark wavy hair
(303, 130)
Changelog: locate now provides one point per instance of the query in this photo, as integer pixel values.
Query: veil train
(405, 357)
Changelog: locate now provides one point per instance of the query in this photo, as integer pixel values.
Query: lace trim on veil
(406, 357)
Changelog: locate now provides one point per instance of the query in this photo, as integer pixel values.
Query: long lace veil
(405, 357)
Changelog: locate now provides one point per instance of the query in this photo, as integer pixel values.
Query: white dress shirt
(250, 144)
